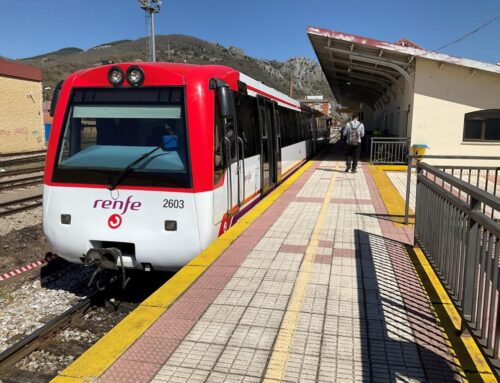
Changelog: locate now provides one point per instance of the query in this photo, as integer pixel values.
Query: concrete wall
(443, 95)
(21, 117)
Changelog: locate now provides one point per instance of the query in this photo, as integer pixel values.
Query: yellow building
(21, 117)
(450, 104)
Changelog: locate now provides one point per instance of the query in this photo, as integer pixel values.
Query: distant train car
(148, 163)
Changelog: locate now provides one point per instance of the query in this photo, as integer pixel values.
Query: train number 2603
(173, 203)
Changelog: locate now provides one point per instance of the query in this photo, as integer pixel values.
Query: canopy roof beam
(387, 61)
(369, 69)
(384, 63)
(368, 78)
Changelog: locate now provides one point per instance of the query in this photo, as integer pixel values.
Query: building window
(483, 125)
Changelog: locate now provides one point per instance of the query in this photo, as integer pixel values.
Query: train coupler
(105, 259)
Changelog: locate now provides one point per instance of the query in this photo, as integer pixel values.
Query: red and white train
(148, 163)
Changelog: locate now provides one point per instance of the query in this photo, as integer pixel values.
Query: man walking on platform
(353, 132)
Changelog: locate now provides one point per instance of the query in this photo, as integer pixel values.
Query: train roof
(184, 70)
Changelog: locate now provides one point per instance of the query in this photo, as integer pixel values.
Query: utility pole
(151, 7)
(291, 86)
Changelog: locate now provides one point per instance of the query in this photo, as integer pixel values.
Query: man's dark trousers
(352, 155)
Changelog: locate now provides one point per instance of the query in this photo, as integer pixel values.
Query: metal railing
(389, 150)
(456, 224)
(486, 178)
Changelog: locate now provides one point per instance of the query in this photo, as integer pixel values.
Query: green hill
(307, 75)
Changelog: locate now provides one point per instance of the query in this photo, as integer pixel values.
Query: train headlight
(116, 76)
(135, 76)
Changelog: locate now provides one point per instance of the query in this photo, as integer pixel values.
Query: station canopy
(364, 70)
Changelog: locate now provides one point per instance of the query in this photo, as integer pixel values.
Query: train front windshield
(108, 129)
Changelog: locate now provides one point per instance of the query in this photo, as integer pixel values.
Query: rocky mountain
(306, 74)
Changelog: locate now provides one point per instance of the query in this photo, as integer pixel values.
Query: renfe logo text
(124, 206)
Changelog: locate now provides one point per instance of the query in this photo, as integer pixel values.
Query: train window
(284, 136)
(103, 135)
(296, 127)
(289, 127)
(303, 126)
(483, 125)
(246, 114)
(218, 144)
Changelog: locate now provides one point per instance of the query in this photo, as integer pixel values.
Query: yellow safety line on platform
(96, 360)
(467, 352)
(392, 168)
(393, 201)
(282, 346)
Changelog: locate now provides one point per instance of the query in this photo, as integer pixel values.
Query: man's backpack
(353, 135)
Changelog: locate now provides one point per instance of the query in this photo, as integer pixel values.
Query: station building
(21, 116)
(319, 103)
(450, 104)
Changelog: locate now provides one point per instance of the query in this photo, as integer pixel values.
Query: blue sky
(272, 29)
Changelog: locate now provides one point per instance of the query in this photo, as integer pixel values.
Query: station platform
(316, 283)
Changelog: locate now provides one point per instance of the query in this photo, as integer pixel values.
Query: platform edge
(97, 359)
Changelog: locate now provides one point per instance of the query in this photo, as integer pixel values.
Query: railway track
(22, 160)
(97, 314)
(20, 204)
(31, 153)
(12, 173)
(35, 340)
(20, 182)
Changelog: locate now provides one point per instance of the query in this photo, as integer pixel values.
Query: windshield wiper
(130, 168)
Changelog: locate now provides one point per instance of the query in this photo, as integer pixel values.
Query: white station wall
(443, 95)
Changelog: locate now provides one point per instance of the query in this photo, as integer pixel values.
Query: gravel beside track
(31, 305)
(23, 246)
(56, 353)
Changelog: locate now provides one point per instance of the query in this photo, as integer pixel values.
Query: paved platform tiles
(319, 288)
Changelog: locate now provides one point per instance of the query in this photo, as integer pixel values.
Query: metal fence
(486, 178)
(456, 224)
(389, 150)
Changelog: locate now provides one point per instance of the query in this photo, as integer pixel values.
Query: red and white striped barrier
(30, 266)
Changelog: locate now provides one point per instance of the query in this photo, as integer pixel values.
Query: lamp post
(151, 7)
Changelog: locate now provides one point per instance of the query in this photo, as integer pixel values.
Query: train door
(277, 141)
(241, 170)
(227, 164)
(267, 144)
(312, 121)
(233, 170)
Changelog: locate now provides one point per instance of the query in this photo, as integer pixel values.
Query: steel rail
(41, 336)
(10, 173)
(34, 201)
(17, 161)
(20, 182)
(24, 153)
(32, 342)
